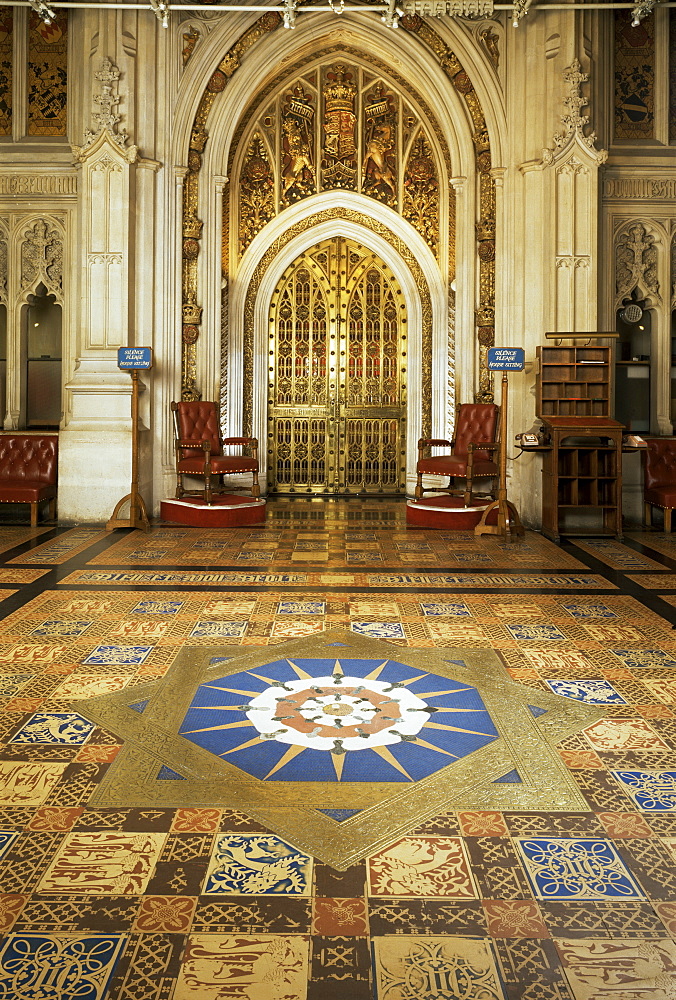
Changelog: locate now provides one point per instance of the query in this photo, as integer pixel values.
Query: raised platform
(446, 512)
(227, 511)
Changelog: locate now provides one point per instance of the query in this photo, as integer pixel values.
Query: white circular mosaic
(337, 713)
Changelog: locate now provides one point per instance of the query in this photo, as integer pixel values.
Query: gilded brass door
(337, 366)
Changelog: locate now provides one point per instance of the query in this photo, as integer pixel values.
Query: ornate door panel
(337, 394)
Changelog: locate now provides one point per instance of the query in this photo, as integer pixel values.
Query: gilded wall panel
(6, 66)
(380, 160)
(47, 75)
(421, 192)
(192, 225)
(339, 139)
(485, 314)
(337, 125)
(298, 166)
(634, 78)
(256, 192)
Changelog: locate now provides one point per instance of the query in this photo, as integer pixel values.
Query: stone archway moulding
(485, 224)
(266, 261)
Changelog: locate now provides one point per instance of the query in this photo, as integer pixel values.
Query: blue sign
(134, 357)
(506, 359)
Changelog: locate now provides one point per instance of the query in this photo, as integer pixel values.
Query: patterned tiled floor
(195, 903)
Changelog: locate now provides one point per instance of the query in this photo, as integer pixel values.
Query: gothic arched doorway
(337, 374)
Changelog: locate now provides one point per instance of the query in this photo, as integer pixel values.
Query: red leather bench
(659, 478)
(28, 467)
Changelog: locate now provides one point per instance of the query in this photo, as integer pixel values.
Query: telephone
(634, 441)
(528, 440)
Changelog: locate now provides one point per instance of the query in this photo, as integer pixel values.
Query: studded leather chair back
(198, 421)
(475, 422)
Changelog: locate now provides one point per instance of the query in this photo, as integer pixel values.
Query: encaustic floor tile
(187, 893)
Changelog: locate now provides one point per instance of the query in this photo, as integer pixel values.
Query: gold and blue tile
(257, 864)
(564, 868)
(633, 658)
(301, 607)
(118, 655)
(66, 966)
(60, 629)
(591, 692)
(589, 610)
(218, 630)
(651, 791)
(157, 608)
(10, 684)
(7, 838)
(455, 610)
(378, 630)
(66, 728)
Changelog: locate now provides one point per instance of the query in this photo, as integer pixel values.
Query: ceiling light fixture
(45, 13)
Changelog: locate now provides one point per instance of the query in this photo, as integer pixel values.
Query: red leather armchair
(659, 478)
(199, 451)
(472, 456)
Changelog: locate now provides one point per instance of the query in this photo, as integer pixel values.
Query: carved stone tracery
(635, 262)
(42, 257)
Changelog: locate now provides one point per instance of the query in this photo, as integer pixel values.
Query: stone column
(554, 199)
(95, 441)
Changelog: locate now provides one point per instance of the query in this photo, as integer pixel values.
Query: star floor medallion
(339, 743)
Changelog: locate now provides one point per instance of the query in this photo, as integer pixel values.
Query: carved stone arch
(271, 254)
(40, 248)
(464, 95)
(635, 253)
